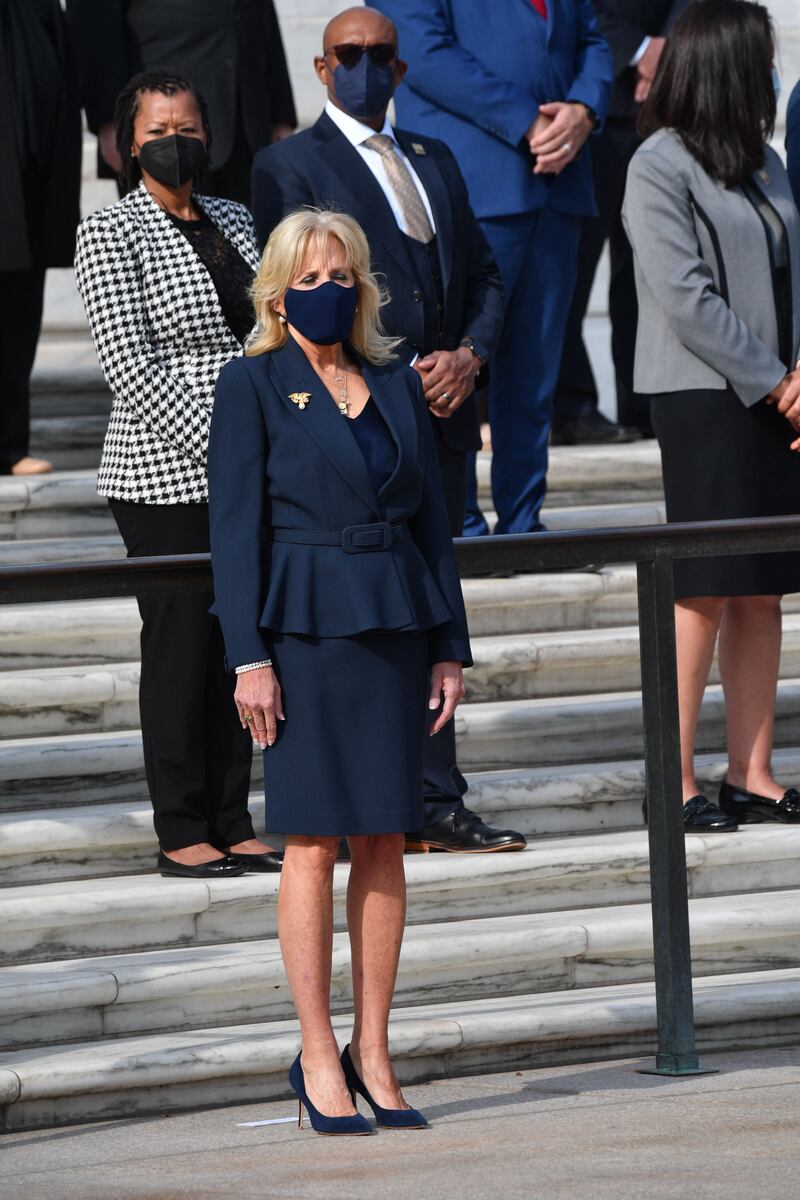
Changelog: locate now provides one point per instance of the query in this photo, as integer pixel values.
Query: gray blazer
(706, 312)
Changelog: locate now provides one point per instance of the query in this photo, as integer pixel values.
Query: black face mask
(173, 160)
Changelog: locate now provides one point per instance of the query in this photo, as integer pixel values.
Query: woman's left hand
(447, 689)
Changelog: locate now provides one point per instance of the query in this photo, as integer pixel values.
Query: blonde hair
(288, 249)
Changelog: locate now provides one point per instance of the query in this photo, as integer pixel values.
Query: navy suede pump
(385, 1118)
(342, 1126)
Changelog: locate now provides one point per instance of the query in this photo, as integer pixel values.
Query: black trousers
(21, 296)
(444, 783)
(611, 153)
(197, 757)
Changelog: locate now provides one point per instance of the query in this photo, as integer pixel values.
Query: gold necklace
(343, 403)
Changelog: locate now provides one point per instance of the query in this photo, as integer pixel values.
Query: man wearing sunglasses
(446, 303)
(515, 88)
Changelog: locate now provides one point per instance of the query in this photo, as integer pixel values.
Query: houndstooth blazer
(161, 340)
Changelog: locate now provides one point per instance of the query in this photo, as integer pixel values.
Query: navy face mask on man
(173, 160)
(323, 314)
(365, 89)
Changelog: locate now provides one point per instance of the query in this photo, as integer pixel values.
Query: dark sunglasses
(349, 55)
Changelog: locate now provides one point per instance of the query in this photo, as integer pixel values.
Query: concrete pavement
(598, 1131)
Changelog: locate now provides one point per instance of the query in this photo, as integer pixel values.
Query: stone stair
(123, 993)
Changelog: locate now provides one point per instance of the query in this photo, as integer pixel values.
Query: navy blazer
(272, 465)
(793, 142)
(320, 167)
(477, 74)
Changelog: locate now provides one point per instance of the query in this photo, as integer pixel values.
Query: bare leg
(376, 910)
(749, 662)
(305, 928)
(697, 622)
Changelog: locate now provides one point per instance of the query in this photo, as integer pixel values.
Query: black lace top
(229, 272)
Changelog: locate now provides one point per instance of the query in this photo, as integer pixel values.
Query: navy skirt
(348, 757)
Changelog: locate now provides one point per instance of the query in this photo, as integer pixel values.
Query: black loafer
(748, 808)
(268, 861)
(463, 832)
(701, 816)
(592, 428)
(218, 868)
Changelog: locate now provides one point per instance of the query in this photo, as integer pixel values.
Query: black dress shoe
(750, 808)
(267, 861)
(218, 868)
(701, 816)
(591, 428)
(463, 832)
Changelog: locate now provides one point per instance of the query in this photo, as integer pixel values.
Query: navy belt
(355, 539)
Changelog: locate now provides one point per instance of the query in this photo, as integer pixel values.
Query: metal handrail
(652, 548)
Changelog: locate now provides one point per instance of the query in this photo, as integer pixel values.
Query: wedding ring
(445, 396)
(568, 147)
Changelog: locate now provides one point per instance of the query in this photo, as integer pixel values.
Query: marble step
(77, 548)
(91, 632)
(71, 633)
(611, 473)
(126, 1077)
(87, 768)
(545, 803)
(69, 442)
(73, 919)
(244, 982)
(42, 700)
(66, 503)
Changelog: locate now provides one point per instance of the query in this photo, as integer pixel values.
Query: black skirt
(723, 461)
(348, 758)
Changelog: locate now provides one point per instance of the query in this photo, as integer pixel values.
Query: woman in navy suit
(340, 603)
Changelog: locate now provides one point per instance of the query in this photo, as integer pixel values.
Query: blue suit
(278, 471)
(793, 142)
(476, 78)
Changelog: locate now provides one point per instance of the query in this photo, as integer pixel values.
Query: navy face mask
(325, 314)
(173, 160)
(366, 90)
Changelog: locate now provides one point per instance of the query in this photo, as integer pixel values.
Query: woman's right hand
(786, 397)
(260, 704)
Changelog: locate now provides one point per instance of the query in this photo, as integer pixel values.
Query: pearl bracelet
(266, 662)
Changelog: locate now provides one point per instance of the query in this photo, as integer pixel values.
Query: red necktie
(541, 7)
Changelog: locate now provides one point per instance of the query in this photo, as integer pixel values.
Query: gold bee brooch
(301, 399)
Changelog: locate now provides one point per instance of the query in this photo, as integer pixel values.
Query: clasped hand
(557, 135)
(448, 377)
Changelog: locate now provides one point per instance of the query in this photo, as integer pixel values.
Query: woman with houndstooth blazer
(165, 276)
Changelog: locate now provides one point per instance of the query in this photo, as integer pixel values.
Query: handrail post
(668, 882)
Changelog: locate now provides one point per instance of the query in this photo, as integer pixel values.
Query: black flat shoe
(463, 832)
(218, 868)
(264, 863)
(748, 808)
(701, 816)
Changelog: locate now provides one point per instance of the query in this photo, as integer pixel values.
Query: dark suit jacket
(272, 465)
(40, 137)
(793, 142)
(625, 24)
(320, 167)
(231, 50)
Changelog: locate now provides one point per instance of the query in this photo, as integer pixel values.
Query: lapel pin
(418, 148)
(764, 176)
(301, 399)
